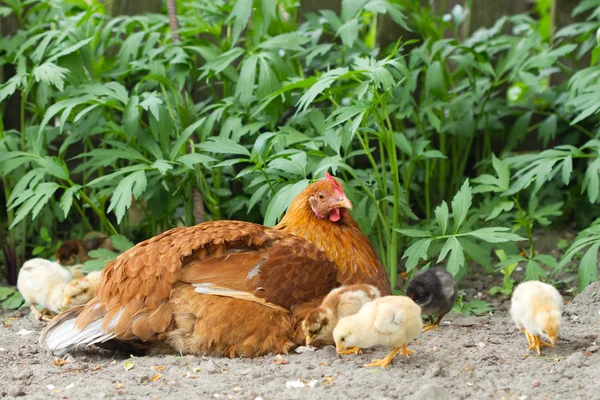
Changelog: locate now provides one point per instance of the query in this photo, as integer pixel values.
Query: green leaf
(403, 143)
(547, 129)
(162, 166)
(66, 200)
(34, 204)
(121, 243)
(414, 253)
(547, 260)
(69, 50)
(54, 166)
(287, 41)
(94, 265)
(222, 145)
(282, 200)
(189, 160)
(349, 32)
(185, 135)
(245, 85)
(51, 74)
(103, 253)
(503, 206)
(14, 302)
(567, 169)
(457, 257)
(295, 165)
(591, 181)
(434, 80)
(324, 82)
(495, 235)
(241, 16)
(131, 117)
(133, 184)
(533, 271)
(588, 268)
(5, 292)
(415, 233)
(441, 216)
(461, 204)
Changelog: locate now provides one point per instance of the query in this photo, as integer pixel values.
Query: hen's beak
(343, 202)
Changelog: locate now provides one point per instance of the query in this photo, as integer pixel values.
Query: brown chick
(71, 252)
(319, 323)
(81, 290)
(75, 251)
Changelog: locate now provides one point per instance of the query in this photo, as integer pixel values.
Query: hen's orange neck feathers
(341, 240)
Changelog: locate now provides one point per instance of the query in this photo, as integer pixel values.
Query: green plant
(123, 129)
(11, 299)
(473, 307)
(506, 271)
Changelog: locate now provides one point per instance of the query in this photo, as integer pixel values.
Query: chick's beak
(342, 202)
(339, 347)
(309, 339)
(552, 339)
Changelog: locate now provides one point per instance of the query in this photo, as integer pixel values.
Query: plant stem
(107, 224)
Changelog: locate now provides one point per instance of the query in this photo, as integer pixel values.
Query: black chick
(435, 291)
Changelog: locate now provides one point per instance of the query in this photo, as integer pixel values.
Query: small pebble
(536, 383)
(593, 349)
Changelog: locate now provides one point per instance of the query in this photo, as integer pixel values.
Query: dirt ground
(469, 357)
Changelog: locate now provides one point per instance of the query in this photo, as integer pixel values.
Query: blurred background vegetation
(460, 128)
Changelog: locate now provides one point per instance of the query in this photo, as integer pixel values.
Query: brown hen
(226, 288)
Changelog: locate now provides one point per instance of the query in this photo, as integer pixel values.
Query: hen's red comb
(335, 183)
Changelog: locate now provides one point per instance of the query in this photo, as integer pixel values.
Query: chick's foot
(428, 327)
(406, 352)
(386, 361)
(350, 350)
(538, 343)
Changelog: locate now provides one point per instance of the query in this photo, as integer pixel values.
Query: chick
(72, 252)
(76, 251)
(435, 290)
(81, 290)
(390, 320)
(319, 323)
(43, 282)
(536, 309)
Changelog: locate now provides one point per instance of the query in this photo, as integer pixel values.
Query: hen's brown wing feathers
(136, 287)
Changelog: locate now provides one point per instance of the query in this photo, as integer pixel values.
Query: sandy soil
(474, 357)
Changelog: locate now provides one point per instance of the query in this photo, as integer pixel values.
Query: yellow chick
(536, 309)
(43, 282)
(339, 303)
(390, 321)
(81, 290)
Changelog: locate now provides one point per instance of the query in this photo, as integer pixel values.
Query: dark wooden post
(130, 7)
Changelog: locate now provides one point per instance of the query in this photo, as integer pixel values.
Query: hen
(226, 288)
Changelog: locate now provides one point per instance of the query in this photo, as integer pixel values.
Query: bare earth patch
(475, 357)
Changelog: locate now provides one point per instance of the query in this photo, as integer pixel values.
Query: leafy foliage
(123, 128)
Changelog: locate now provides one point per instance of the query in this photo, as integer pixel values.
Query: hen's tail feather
(210, 289)
(61, 334)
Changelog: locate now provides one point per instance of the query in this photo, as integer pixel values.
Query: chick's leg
(35, 311)
(386, 361)
(406, 352)
(538, 343)
(528, 336)
(350, 350)
(432, 325)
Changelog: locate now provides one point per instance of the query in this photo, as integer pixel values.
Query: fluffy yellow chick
(390, 321)
(339, 303)
(81, 290)
(43, 282)
(536, 309)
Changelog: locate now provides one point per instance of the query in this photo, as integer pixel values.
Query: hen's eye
(321, 196)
